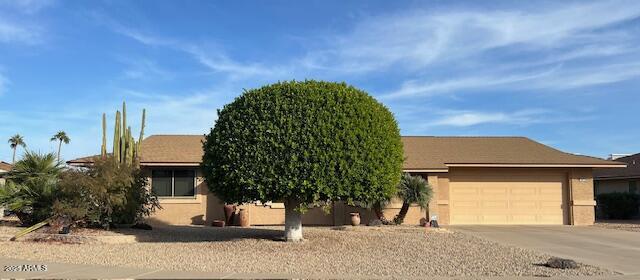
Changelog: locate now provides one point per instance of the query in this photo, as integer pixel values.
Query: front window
(633, 186)
(173, 183)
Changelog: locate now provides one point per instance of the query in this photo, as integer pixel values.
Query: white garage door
(507, 199)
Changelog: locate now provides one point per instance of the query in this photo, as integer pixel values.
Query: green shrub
(412, 190)
(105, 193)
(303, 143)
(618, 205)
(31, 187)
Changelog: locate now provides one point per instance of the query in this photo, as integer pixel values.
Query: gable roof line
(421, 152)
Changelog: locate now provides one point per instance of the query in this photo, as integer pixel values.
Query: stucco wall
(204, 207)
(582, 199)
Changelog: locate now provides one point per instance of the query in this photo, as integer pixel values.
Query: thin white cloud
(213, 58)
(470, 118)
(414, 88)
(19, 22)
(466, 118)
(419, 39)
(26, 6)
(555, 79)
(590, 76)
(13, 32)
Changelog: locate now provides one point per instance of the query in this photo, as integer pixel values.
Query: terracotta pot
(355, 218)
(244, 218)
(229, 212)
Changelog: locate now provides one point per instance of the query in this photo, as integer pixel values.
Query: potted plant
(229, 212)
(244, 217)
(355, 218)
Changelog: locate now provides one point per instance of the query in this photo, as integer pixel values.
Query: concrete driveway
(613, 249)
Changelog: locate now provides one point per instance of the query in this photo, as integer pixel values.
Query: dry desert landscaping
(389, 251)
(626, 225)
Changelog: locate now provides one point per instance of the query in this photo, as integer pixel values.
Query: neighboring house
(4, 168)
(476, 180)
(619, 179)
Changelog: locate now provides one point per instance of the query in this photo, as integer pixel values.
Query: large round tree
(303, 143)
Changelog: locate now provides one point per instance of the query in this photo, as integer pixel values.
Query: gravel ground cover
(356, 251)
(628, 225)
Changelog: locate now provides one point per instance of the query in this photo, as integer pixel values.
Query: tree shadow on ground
(187, 233)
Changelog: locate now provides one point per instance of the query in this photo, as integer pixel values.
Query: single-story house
(476, 180)
(608, 180)
(4, 168)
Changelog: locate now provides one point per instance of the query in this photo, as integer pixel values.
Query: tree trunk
(377, 208)
(14, 155)
(59, 147)
(403, 213)
(292, 221)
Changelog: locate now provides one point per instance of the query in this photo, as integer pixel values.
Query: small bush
(618, 205)
(106, 193)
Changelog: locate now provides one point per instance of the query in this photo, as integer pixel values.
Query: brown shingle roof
(172, 149)
(632, 170)
(430, 152)
(5, 166)
(421, 152)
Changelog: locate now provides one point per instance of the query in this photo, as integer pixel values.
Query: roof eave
(426, 170)
(535, 165)
(169, 163)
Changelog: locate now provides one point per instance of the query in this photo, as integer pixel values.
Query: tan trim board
(443, 202)
(169, 164)
(180, 200)
(584, 203)
(532, 165)
(426, 170)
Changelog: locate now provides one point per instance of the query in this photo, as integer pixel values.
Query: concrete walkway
(74, 271)
(607, 248)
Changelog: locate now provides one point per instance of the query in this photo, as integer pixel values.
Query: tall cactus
(103, 148)
(117, 138)
(126, 149)
(144, 118)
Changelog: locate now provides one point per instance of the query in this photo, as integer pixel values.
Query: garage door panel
(494, 205)
(524, 219)
(525, 205)
(468, 204)
(468, 219)
(523, 190)
(507, 199)
(495, 219)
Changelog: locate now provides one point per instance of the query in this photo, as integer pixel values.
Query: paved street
(73, 271)
(613, 249)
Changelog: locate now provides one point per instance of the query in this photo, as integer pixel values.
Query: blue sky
(563, 73)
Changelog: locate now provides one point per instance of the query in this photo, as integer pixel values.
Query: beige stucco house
(608, 180)
(476, 180)
(4, 168)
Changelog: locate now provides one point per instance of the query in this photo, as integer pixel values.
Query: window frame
(633, 186)
(173, 181)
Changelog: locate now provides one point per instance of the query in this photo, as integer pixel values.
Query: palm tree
(61, 137)
(14, 142)
(412, 189)
(31, 187)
